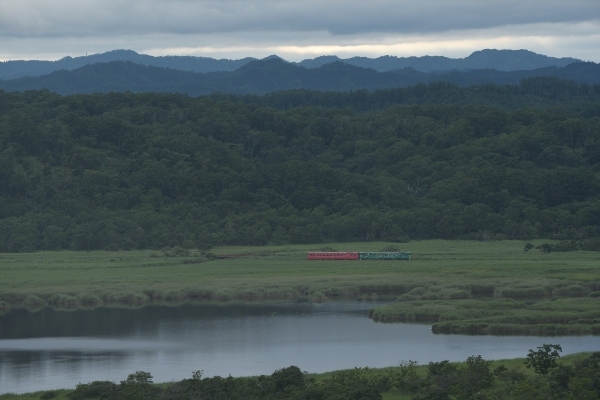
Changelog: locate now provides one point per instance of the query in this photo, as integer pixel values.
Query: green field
(459, 286)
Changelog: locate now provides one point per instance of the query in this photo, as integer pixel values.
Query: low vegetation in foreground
(458, 286)
(539, 376)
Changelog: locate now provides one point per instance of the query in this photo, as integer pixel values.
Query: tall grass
(446, 282)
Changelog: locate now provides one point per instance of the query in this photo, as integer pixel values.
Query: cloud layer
(255, 27)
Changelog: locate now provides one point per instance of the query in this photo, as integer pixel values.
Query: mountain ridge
(271, 75)
(502, 60)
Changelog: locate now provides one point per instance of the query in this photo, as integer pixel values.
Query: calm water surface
(58, 349)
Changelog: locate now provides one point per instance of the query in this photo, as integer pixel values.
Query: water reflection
(53, 349)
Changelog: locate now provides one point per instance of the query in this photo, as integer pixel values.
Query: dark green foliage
(288, 377)
(126, 171)
(472, 379)
(48, 395)
(94, 390)
(286, 383)
(445, 379)
(545, 248)
(544, 359)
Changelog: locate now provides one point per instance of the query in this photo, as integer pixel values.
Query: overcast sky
(299, 29)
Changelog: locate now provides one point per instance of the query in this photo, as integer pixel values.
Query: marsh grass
(446, 282)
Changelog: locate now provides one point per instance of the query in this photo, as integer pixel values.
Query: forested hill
(111, 171)
(272, 75)
(20, 68)
(540, 92)
(502, 60)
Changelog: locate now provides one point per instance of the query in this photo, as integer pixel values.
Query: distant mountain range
(501, 60)
(273, 74)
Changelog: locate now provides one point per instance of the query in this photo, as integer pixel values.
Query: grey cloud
(61, 18)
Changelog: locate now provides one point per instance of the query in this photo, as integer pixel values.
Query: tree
(544, 358)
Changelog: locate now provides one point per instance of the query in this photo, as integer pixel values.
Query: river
(51, 349)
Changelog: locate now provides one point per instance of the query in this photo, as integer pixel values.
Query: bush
(572, 291)
(63, 300)
(459, 295)
(34, 301)
(528, 247)
(48, 395)
(93, 390)
(286, 377)
(545, 248)
(176, 251)
(88, 299)
(591, 244)
(515, 293)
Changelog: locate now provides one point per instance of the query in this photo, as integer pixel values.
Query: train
(358, 255)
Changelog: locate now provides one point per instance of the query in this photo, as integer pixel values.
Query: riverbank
(500, 379)
(458, 286)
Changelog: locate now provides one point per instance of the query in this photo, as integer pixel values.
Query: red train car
(332, 255)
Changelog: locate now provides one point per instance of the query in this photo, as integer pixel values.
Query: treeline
(473, 379)
(124, 171)
(539, 92)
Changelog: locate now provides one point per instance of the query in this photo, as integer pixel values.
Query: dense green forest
(123, 170)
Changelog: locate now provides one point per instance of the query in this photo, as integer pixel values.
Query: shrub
(88, 299)
(528, 247)
(176, 251)
(544, 358)
(571, 291)
(48, 395)
(286, 377)
(418, 291)
(458, 295)
(591, 244)
(482, 289)
(522, 292)
(63, 300)
(93, 390)
(34, 301)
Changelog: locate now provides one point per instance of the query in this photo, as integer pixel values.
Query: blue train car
(384, 255)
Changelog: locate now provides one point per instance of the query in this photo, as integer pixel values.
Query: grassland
(459, 286)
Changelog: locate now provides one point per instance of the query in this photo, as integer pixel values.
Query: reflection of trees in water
(25, 367)
(146, 321)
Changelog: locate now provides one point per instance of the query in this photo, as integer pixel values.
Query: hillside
(272, 75)
(20, 68)
(153, 170)
(502, 60)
